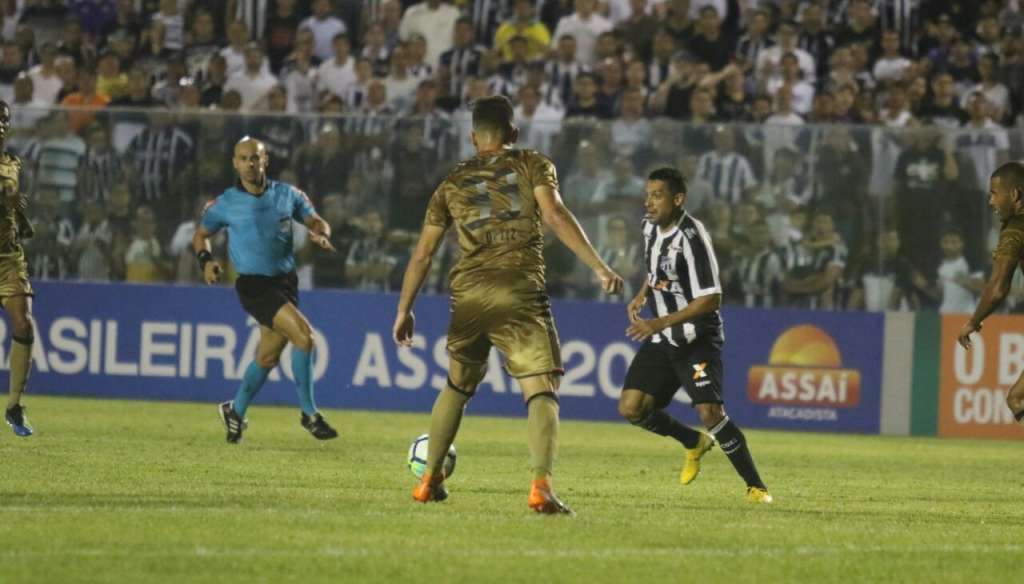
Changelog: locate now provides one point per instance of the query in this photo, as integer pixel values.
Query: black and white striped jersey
(462, 64)
(794, 255)
(681, 267)
(821, 259)
(761, 274)
(562, 76)
(824, 258)
(749, 49)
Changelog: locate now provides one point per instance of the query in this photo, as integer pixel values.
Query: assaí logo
(804, 369)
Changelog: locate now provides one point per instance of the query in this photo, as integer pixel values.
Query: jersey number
(483, 200)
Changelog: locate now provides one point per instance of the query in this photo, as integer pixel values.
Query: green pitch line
(115, 491)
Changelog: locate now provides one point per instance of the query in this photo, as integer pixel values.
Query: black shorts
(659, 370)
(263, 296)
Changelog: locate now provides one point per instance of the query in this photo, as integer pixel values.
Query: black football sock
(662, 424)
(734, 445)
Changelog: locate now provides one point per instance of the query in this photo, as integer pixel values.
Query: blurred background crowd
(838, 150)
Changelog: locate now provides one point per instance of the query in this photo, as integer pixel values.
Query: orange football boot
(543, 499)
(430, 489)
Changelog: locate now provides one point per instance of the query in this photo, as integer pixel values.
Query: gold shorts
(509, 310)
(14, 276)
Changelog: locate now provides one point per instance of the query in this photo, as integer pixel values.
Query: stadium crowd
(837, 150)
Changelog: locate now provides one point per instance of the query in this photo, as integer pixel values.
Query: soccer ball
(418, 457)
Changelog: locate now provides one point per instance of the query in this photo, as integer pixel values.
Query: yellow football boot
(691, 466)
(759, 495)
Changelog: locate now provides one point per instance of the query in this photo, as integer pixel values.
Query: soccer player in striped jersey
(682, 344)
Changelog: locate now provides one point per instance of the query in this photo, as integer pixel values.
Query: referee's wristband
(203, 257)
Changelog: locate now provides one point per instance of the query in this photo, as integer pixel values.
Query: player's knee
(633, 410)
(21, 329)
(1015, 402)
(466, 377)
(268, 361)
(303, 340)
(710, 414)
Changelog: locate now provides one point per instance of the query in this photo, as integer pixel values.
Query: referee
(258, 214)
(683, 342)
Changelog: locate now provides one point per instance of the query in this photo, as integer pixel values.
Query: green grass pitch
(117, 491)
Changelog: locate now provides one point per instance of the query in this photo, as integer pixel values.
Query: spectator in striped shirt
(418, 65)
(161, 156)
(460, 63)
(101, 167)
(726, 171)
(623, 256)
(563, 70)
(750, 45)
(170, 26)
(49, 250)
(376, 49)
(760, 269)
(819, 285)
(91, 245)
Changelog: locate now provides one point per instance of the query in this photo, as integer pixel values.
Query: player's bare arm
(201, 246)
(641, 329)
(637, 303)
(320, 232)
(561, 220)
(415, 273)
(995, 292)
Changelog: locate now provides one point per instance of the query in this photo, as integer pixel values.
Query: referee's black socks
(662, 424)
(734, 445)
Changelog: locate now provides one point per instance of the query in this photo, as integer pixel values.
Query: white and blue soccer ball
(418, 457)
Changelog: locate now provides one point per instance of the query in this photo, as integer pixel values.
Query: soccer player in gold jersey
(15, 289)
(1006, 197)
(497, 202)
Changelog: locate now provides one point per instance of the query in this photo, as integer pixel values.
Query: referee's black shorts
(659, 370)
(262, 296)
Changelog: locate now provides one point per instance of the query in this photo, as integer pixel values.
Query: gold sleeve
(437, 210)
(1011, 243)
(542, 171)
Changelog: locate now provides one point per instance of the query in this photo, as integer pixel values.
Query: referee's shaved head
(250, 161)
(248, 142)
